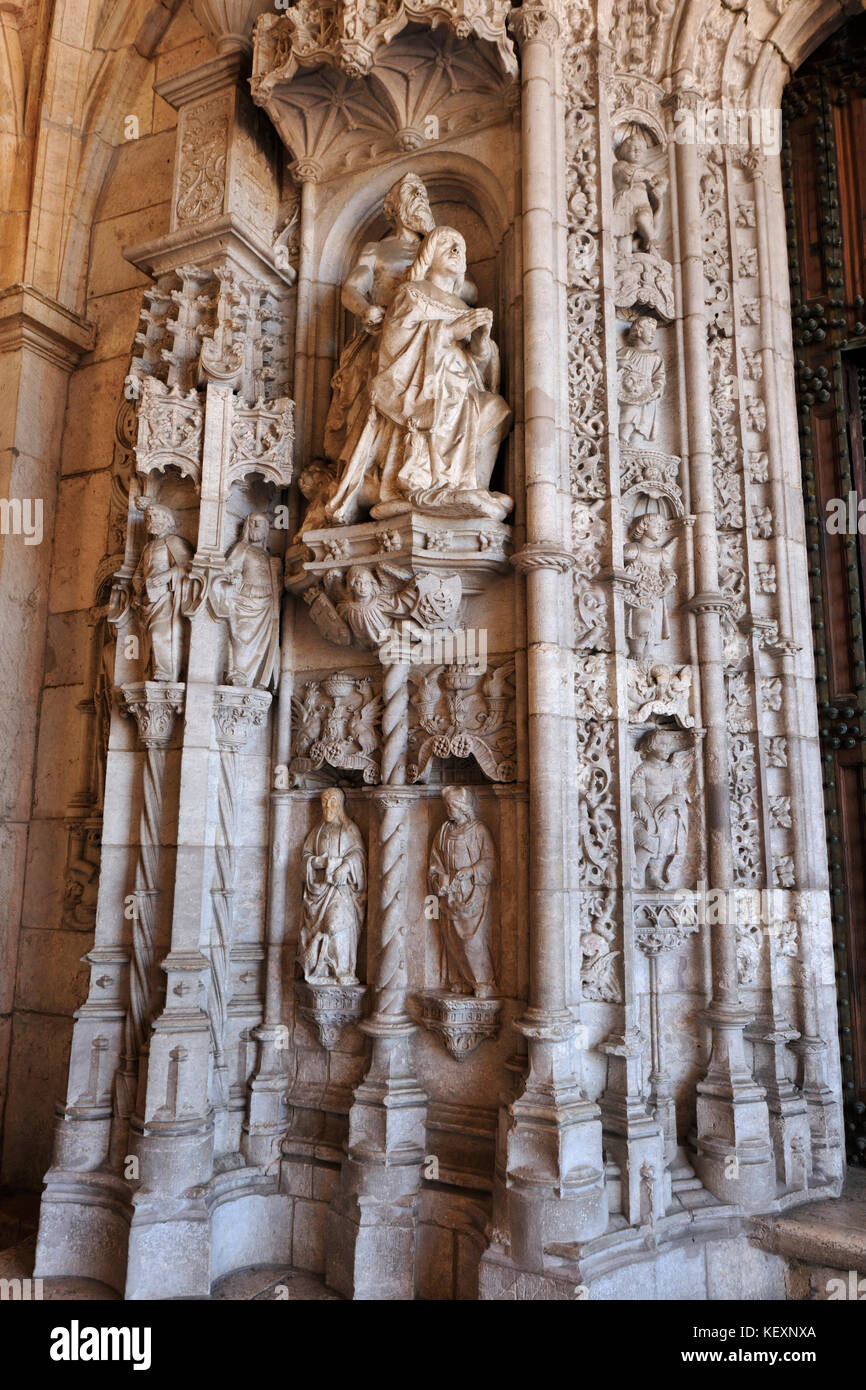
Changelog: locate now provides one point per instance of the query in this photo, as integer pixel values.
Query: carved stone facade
(449, 666)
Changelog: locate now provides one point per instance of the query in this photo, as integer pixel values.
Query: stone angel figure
(660, 690)
(436, 420)
(462, 875)
(363, 608)
(158, 591)
(334, 895)
(660, 809)
(247, 597)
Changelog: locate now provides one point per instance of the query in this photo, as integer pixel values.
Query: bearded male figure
(157, 587)
(437, 393)
(334, 896)
(462, 873)
(367, 293)
(247, 597)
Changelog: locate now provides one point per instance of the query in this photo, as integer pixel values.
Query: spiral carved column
(154, 707)
(235, 712)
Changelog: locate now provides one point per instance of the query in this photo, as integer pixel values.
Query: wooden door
(824, 164)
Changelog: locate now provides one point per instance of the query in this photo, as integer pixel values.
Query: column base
(371, 1232)
(555, 1191)
(267, 1113)
(734, 1158)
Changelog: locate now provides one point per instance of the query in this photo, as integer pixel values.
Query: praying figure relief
(462, 874)
(648, 565)
(435, 421)
(157, 587)
(334, 895)
(247, 597)
(640, 382)
(660, 808)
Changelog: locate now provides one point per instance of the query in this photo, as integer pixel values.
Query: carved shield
(439, 598)
(328, 620)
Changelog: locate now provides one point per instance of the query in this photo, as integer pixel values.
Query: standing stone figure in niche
(647, 563)
(437, 419)
(462, 874)
(157, 587)
(334, 895)
(637, 197)
(247, 596)
(660, 808)
(641, 382)
(367, 293)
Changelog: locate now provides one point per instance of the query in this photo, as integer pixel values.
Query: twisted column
(154, 706)
(235, 712)
(389, 975)
(395, 723)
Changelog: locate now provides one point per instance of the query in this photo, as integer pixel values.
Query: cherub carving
(362, 608)
(660, 690)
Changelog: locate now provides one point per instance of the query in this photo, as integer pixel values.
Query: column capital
(539, 20)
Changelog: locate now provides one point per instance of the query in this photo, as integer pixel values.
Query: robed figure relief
(436, 420)
(247, 596)
(462, 875)
(157, 587)
(334, 865)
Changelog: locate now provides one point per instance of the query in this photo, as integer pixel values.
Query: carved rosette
(329, 1008)
(236, 711)
(154, 705)
(460, 1020)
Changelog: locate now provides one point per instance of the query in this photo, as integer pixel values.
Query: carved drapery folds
(454, 790)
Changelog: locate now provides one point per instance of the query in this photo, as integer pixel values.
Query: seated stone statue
(334, 895)
(436, 419)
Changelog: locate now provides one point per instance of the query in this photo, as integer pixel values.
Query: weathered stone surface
(418, 636)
